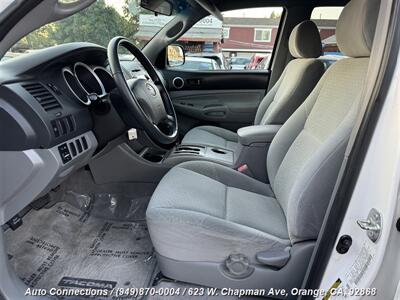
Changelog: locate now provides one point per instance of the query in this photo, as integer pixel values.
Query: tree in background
(275, 15)
(40, 38)
(98, 24)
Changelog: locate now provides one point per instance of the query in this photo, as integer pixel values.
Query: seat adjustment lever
(276, 258)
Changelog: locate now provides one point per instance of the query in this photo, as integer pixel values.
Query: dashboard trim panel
(33, 173)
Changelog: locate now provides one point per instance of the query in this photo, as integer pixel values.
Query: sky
(4, 4)
(252, 12)
(318, 13)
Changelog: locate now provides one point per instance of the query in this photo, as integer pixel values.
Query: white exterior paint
(377, 187)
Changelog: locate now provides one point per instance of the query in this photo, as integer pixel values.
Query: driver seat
(294, 85)
(214, 226)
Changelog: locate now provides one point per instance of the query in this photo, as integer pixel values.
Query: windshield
(4, 4)
(97, 24)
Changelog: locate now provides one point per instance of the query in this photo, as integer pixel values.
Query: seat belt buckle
(242, 168)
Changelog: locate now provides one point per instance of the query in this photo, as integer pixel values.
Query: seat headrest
(355, 28)
(305, 41)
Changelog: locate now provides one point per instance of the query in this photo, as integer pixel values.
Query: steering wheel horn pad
(149, 98)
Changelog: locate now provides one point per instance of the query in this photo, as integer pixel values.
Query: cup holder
(218, 151)
(156, 158)
(188, 150)
(153, 155)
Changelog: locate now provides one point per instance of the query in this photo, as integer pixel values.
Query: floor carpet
(63, 246)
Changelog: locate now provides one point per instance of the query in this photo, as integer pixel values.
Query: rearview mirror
(175, 55)
(161, 7)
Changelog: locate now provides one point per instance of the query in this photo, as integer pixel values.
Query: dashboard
(44, 95)
(46, 119)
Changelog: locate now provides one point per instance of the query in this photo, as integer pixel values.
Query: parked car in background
(254, 61)
(264, 63)
(219, 58)
(239, 63)
(9, 55)
(329, 59)
(199, 63)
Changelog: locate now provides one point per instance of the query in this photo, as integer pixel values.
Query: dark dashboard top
(21, 67)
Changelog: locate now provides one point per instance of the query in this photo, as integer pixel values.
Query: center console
(140, 160)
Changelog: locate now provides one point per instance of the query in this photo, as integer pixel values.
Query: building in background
(327, 32)
(235, 37)
(205, 36)
(246, 36)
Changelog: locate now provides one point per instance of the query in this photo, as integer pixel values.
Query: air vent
(43, 96)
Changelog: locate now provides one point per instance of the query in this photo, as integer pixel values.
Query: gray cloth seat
(212, 136)
(215, 216)
(295, 83)
(214, 226)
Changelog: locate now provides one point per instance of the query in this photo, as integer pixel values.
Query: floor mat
(64, 246)
(187, 291)
(125, 201)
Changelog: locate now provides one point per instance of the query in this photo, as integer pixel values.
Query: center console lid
(257, 134)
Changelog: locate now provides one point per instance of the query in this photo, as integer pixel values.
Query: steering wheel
(146, 100)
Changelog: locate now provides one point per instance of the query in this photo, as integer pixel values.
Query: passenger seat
(294, 85)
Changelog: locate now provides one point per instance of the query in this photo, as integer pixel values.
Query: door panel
(220, 106)
(227, 99)
(218, 80)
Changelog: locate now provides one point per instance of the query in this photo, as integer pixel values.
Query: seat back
(305, 156)
(298, 78)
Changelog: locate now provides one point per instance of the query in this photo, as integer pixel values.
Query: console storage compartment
(153, 155)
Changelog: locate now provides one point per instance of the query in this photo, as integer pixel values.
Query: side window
(326, 18)
(244, 41)
(262, 35)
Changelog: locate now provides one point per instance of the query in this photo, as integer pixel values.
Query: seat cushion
(202, 211)
(211, 136)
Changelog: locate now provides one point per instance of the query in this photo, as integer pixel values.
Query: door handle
(215, 110)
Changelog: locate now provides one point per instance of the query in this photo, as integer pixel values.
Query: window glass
(4, 4)
(98, 24)
(326, 18)
(262, 35)
(244, 41)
